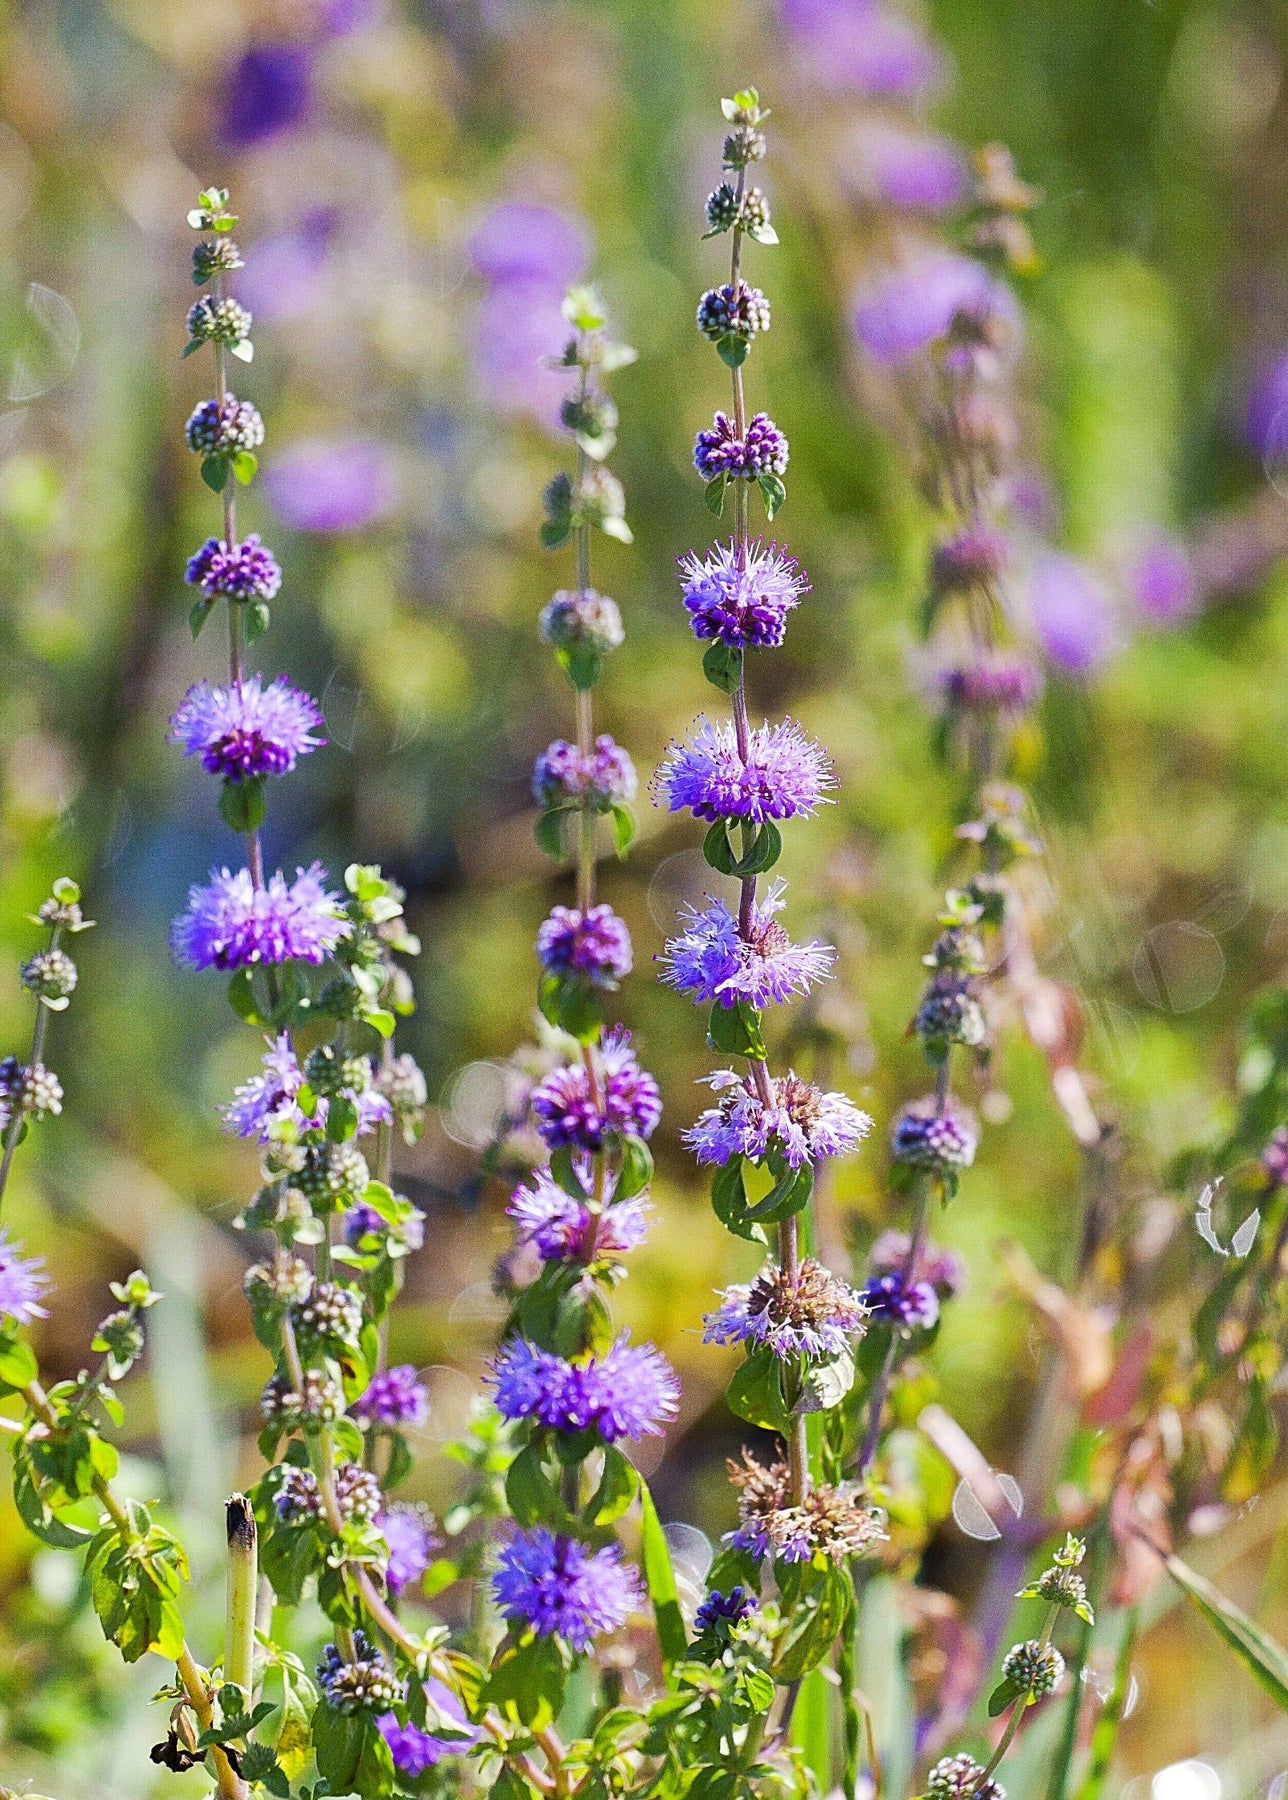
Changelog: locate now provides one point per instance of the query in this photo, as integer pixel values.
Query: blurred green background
(366, 146)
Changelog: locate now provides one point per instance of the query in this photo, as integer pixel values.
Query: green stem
(243, 1582)
(196, 1686)
(37, 1050)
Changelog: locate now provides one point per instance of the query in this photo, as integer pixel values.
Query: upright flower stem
(229, 1783)
(789, 1229)
(1013, 1723)
(14, 1126)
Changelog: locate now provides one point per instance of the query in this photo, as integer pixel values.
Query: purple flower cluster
(246, 571)
(395, 1397)
(629, 1392)
(926, 1136)
(971, 558)
(408, 1529)
(247, 729)
(719, 1613)
(729, 311)
(897, 1300)
(601, 778)
(414, 1750)
(231, 924)
(264, 1106)
(785, 774)
(560, 1588)
(223, 430)
(23, 1283)
(742, 597)
(720, 451)
(994, 681)
(806, 1313)
(562, 1228)
(941, 1269)
(713, 961)
(569, 1110)
(594, 945)
(802, 1125)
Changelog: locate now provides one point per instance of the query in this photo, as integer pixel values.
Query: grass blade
(659, 1577)
(1265, 1660)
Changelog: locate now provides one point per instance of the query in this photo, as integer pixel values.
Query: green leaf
(1265, 1660)
(241, 997)
(198, 616)
(341, 1119)
(214, 472)
(245, 463)
(714, 494)
(729, 1202)
(817, 1601)
(241, 803)
(735, 1030)
(257, 620)
(352, 1755)
(18, 1365)
(555, 532)
(722, 666)
(763, 852)
(623, 828)
(549, 831)
(635, 1168)
(788, 1195)
(762, 234)
(659, 1577)
(573, 1004)
(733, 349)
(618, 1486)
(581, 666)
(811, 1727)
(827, 1384)
(1002, 1696)
(527, 1681)
(773, 491)
(531, 1495)
(756, 1392)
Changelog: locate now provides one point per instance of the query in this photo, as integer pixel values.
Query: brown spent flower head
(831, 1521)
(810, 1304)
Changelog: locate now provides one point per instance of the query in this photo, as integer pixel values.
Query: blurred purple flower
(518, 240)
(911, 306)
(889, 164)
(1160, 580)
(284, 276)
(332, 484)
(1265, 423)
(518, 324)
(861, 45)
(267, 91)
(1072, 613)
(340, 17)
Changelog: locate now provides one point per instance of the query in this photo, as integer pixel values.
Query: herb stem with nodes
(1018, 1709)
(788, 1229)
(14, 1128)
(194, 1681)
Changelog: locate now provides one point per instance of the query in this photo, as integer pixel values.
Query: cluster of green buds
(30, 1090)
(593, 498)
(1031, 1670)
